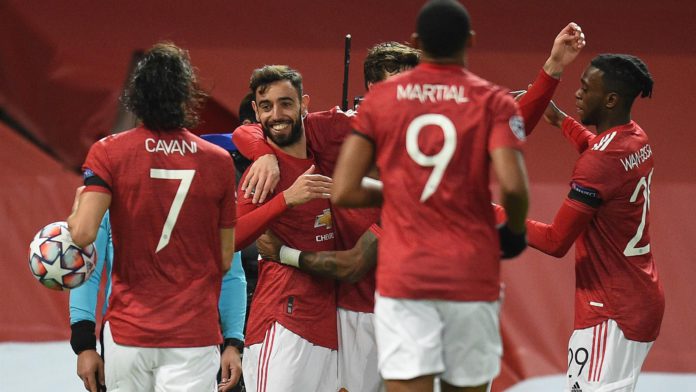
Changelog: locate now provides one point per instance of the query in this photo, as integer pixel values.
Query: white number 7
(438, 161)
(186, 177)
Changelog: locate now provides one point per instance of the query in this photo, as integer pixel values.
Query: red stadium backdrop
(62, 68)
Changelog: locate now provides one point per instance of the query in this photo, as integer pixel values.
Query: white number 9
(438, 161)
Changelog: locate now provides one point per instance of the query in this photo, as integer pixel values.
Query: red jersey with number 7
(616, 277)
(434, 128)
(171, 192)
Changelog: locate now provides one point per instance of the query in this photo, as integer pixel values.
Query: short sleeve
(98, 164)
(507, 125)
(363, 122)
(228, 216)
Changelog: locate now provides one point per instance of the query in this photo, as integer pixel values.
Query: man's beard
(286, 140)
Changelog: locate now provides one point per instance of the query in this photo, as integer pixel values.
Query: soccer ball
(56, 261)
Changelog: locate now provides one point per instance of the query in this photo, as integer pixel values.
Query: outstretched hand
(566, 47)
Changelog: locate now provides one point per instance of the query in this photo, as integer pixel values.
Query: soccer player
(326, 131)
(83, 302)
(172, 208)
(291, 332)
(433, 133)
(619, 300)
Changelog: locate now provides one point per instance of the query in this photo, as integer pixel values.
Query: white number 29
(186, 177)
(438, 161)
(631, 249)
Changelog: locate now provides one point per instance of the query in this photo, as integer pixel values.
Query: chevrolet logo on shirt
(324, 220)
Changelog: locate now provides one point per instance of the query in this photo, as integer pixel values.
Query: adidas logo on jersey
(576, 388)
(604, 142)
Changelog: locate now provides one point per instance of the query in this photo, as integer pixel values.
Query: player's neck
(297, 149)
(444, 61)
(613, 121)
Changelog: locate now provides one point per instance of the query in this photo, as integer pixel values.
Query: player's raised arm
(355, 161)
(348, 265)
(566, 46)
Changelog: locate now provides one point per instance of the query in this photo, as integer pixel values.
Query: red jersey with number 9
(171, 192)
(616, 277)
(434, 128)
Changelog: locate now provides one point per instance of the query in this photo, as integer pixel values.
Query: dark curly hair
(624, 74)
(388, 57)
(163, 92)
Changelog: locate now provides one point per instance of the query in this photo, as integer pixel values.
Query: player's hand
(553, 115)
(307, 187)
(90, 369)
(231, 366)
(262, 178)
(566, 47)
(269, 245)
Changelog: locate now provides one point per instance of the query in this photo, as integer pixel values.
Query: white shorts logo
(517, 127)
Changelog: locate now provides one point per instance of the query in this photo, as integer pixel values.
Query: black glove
(511, 244)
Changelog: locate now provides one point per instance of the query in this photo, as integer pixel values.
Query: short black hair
(388, 57)
(262, 77)
(443, 27)
(246, 110)
(625, 75)
(163, 91)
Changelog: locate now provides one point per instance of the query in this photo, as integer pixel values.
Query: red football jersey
(172, 192)
(326, 132)
(434, 128)
(303, 303)
(616, 277)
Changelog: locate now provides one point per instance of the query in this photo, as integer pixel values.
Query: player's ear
(611, 100)
(471, 40)
(256, 110)
(305, 104)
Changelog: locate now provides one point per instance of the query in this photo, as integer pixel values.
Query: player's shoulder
(600, 158)
(124, 137)
(329, 116)
(617, 140)
(484, 88)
